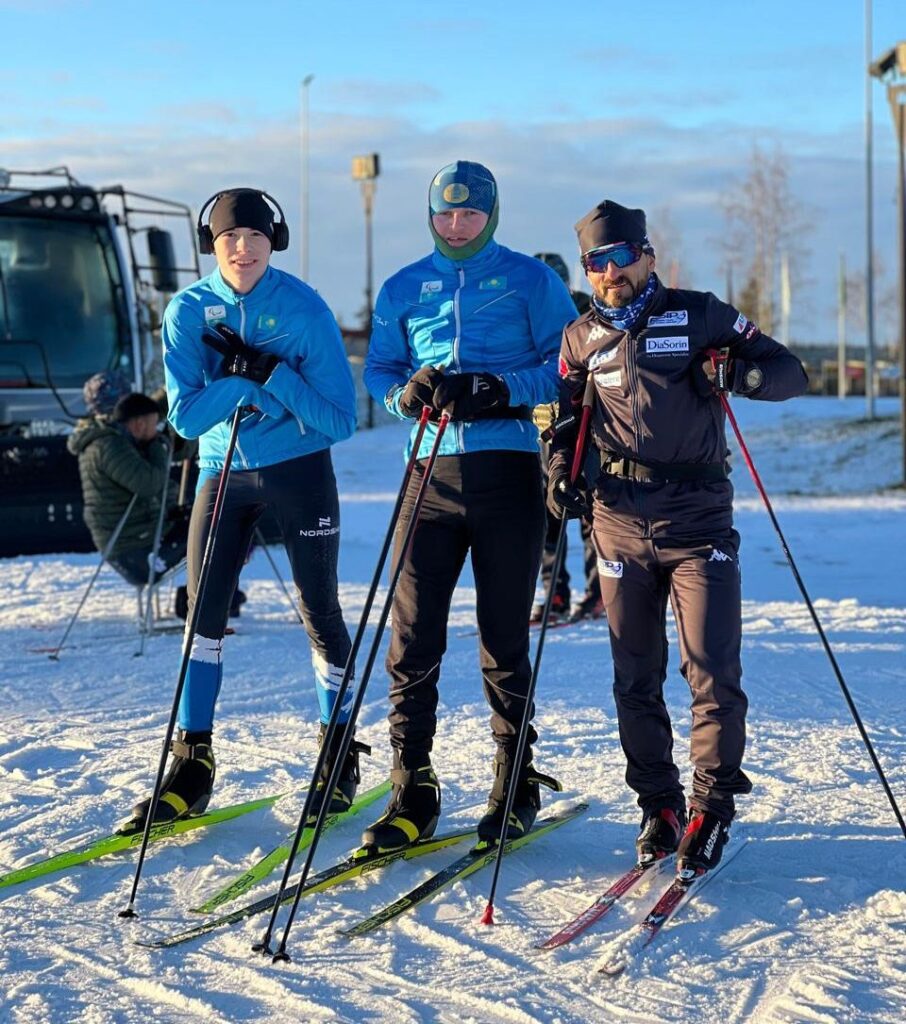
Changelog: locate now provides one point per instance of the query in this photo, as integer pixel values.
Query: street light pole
(891, 69)
(869, 232)
(303, 204)
(365, 169)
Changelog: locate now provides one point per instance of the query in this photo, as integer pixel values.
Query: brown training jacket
(654, 407)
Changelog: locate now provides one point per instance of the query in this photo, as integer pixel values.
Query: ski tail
(271, 861)
(351, 867)
(116, 841)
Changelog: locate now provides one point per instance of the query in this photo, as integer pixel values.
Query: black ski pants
(701, 580)
(302, 493)
(488, 505)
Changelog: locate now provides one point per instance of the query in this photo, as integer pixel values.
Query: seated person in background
(121, 455)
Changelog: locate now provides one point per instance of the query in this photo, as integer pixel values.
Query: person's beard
(620, 302)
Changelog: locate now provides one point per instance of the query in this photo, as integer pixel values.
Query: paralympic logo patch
(613, 570)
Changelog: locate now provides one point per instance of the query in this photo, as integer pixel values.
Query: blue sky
(655, 104)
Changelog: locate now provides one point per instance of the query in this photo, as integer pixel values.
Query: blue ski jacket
(498, 312)
(306, 404)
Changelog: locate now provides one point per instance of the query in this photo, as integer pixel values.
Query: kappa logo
(613, 570)
(672, 318)
(741, 324)
(430, 288)
(595, 333)
(601, 357)
(719, 556)
(666, 346)
(612, 379)
(214, 313)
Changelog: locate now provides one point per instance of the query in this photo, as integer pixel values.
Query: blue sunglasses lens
(620, 255)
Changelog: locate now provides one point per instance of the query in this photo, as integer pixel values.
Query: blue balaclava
(459, 185)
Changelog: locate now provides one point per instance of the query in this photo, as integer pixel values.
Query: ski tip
(488, 916)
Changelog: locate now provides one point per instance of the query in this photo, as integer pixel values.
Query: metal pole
(841, 329)
(900, 112)
(303, 206)
(869, 231)
(368, 188)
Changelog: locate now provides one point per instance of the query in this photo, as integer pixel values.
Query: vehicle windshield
(59, 288)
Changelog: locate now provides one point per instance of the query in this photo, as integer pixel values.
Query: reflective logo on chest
(213, 314)
(672, 318)
(599, 358)
(612, 379)
(666, 346)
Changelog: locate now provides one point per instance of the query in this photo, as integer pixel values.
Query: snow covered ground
(807, 924)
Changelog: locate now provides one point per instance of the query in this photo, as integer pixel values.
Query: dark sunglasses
(622, 255)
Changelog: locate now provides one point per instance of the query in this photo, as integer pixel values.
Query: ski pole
(348, 671)
(186, 651)
(152, 561)
(715, 359)
(588, 399)
(346, 740)
(105, 554)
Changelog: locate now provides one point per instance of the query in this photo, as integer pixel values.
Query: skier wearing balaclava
(473, 328)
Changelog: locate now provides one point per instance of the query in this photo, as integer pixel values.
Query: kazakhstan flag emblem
(266, 322)
(492, 283)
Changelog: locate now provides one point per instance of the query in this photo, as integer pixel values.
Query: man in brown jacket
(663, 518)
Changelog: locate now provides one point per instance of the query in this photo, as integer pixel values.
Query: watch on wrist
(753, 379)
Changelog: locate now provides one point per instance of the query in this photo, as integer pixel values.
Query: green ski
(477, 858)
(351, 867)
(116, 841)
(278, 855)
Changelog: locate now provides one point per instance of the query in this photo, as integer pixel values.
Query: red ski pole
(717, 360)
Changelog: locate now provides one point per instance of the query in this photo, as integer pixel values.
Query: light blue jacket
(498, 311)
(306, 405)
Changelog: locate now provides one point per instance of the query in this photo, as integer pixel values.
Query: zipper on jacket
(241, 304)
(460, 431)
(633, 372)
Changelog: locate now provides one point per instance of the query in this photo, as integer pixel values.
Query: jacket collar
(477, 264)
(261, 291)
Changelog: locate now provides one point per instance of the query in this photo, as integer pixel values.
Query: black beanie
(609, 223)
(133, 405)
(242, 208)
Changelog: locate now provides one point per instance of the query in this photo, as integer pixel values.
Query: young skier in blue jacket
(251, 336)
(473, 328)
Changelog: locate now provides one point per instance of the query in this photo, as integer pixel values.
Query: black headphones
(279, 242)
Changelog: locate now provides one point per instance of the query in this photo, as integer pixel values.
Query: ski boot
(702, 844)
(559, 611)
(526, 802)
(414, 807)
(187, 786)
(347, 782)
(660, 834)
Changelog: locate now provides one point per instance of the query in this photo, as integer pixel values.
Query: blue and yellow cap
(463, 184)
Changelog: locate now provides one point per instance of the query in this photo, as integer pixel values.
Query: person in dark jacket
(663, 517)
(544, 416)
(121, 455)
(472, 328)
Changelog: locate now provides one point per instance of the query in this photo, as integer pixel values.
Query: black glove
(565, 498)
(465, 395)
(419, 391)
(721, 377)
(239, 359)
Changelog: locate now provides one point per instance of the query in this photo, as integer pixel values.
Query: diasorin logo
(666, 346)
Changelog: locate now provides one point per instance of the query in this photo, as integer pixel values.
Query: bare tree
(764, 221)
(665, 237)
(885, 302)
